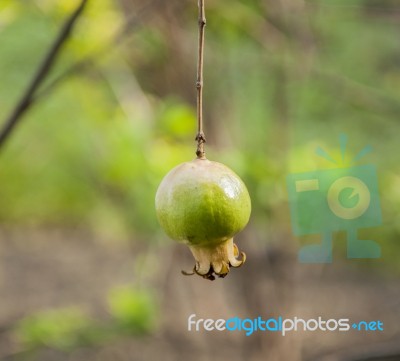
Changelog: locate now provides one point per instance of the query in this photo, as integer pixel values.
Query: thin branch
(199, 84)
(132, 23)
(41, 74)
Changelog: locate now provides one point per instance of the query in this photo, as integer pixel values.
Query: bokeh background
(86, 273)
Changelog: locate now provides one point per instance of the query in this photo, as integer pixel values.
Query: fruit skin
(204, 204)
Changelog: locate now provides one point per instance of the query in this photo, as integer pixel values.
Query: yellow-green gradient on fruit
(202, 203)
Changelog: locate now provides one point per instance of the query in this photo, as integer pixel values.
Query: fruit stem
(200, 137)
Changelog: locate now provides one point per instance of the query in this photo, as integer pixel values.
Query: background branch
(33, 93)
(132, 23)
(26, 101)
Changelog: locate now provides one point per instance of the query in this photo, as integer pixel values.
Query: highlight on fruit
(204, 204)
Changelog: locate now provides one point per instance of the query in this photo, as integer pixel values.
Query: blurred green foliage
(132, 312)
(278, 83)
(62, 329)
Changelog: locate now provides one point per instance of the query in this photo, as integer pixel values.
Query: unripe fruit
(204, 204)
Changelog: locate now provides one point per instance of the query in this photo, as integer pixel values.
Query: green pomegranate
(204, 204)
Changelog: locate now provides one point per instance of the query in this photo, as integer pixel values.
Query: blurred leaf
(177, 120)
(61, 329)
(134, 310)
